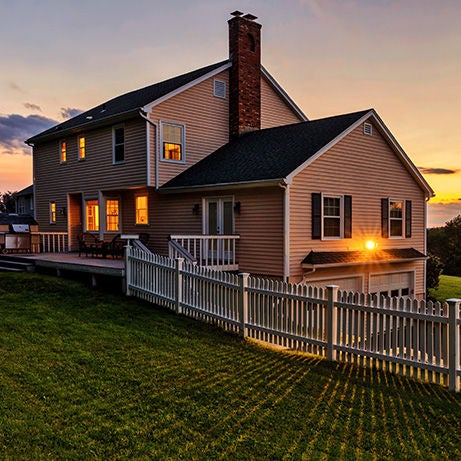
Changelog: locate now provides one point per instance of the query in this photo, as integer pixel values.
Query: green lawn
(90, 375)
(449, 287)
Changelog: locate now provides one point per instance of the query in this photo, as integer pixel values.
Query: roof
(13, 218)
(339, 258)
(126, 104)
(29, 190)
(263, 155)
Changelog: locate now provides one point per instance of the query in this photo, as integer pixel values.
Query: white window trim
(183, 142)
(85, 200)
(402, 236)
(78, 147)
(341, 215)
(136, 210)
(60, 152)
(105, 215)
(114, 128)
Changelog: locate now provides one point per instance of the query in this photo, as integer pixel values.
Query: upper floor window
(52, 212)
(118, 137)
(112, 215)
(396, 218)
(331, 216)
(63, 151)
(141, 202)
(173, 142)
(92, 215)
(81, 148)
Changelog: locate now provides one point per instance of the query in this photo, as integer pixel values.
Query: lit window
(173, 142)
(395, 218)
(112, 215)
(92, 215)
(119, 144)
(52, 212)
(332, 217)
(81, 148)
(141, 209)
(63, 151)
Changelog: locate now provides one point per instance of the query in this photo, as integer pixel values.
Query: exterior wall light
(371, 245)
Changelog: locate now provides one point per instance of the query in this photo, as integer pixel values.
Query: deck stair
(16, 264)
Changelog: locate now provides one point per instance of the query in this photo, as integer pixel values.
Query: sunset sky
(401, 57)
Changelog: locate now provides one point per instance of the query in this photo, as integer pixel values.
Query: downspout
(285, 185)
(142, 113)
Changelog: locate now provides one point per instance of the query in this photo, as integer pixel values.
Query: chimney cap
(250, 17)
(236, 13)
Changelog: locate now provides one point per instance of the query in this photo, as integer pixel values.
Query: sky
(400, 57)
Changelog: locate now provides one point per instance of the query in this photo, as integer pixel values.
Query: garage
(346, 283)
(392, 284)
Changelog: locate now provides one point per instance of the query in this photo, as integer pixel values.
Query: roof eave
(361, 263)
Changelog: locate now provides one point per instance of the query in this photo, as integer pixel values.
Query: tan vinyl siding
(366, 168)
(206, 121)
(274, 110)
(97, 172)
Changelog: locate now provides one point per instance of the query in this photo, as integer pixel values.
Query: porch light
(371, 245)
(196, 209)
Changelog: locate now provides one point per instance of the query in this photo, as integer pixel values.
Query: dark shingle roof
(13, 218)
(356, 257)
(267, 154)
(126, 103)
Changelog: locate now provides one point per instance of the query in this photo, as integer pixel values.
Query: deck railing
(50, 242)
(211, 251)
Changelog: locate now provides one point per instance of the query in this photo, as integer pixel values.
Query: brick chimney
(245, 74)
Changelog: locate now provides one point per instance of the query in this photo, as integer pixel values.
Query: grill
(16, 232)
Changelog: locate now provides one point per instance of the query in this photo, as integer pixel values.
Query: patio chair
(116, 246)
(86, 244)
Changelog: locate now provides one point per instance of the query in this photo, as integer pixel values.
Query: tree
(434, 268)
(8, 202)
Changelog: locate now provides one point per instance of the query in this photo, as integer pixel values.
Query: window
(92, 215)
(81, 148)
(331, 216)
(52, 212)
(112, 215)
(118, 144)
(396, 218)
(63, 151)
(173, 142)
(141, 209)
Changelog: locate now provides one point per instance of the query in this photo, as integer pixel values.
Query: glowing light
(370, 245)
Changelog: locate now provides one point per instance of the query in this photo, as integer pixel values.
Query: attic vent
(368, 129)
(219, 89)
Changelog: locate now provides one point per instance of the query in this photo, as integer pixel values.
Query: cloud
(67, 112)
(437, 170)
(15, 129)
(440, 213)
(15, 87)
(31, 106)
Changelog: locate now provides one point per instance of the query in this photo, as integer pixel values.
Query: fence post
(331, 321)
(178, 299)
(127, 270)
(243, 303)
(453, 343)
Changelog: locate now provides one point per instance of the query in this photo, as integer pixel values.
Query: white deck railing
(212, 251)
(51, 242)
(404, 336)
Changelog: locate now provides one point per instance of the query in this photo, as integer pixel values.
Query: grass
(90, 375)
(449, 287)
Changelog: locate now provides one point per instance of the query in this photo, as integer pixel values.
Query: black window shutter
(347, 216)
(385, 217)
(316, 216)
(407, 218)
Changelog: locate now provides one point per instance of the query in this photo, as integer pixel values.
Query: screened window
(332, 217)
(63, 151)
(141, 209)
(81, 148)
(173, 142)
(92, 215)
(52, 212)
(112, 215)
(119, 144)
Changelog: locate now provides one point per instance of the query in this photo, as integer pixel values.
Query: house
(220, 165)
(25, 201)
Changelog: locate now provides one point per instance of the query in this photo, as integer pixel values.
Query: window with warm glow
(173, 142)
(92, 215)
(396, 218)
(81, 148)
(63, 150)
(52, 212)
(141, 209)
(112, 215)
(331, 217)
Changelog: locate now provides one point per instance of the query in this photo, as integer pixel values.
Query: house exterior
(25, 201)
(221, 160)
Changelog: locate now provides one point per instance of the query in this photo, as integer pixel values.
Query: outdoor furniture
(89, 244)
(115, 248)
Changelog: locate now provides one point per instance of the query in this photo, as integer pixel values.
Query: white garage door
(395, 284)
(347, 284)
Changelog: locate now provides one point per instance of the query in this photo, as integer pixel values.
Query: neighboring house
(224, 151)
(25, 201)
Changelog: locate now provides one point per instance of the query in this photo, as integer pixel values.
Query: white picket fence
(405, 336)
